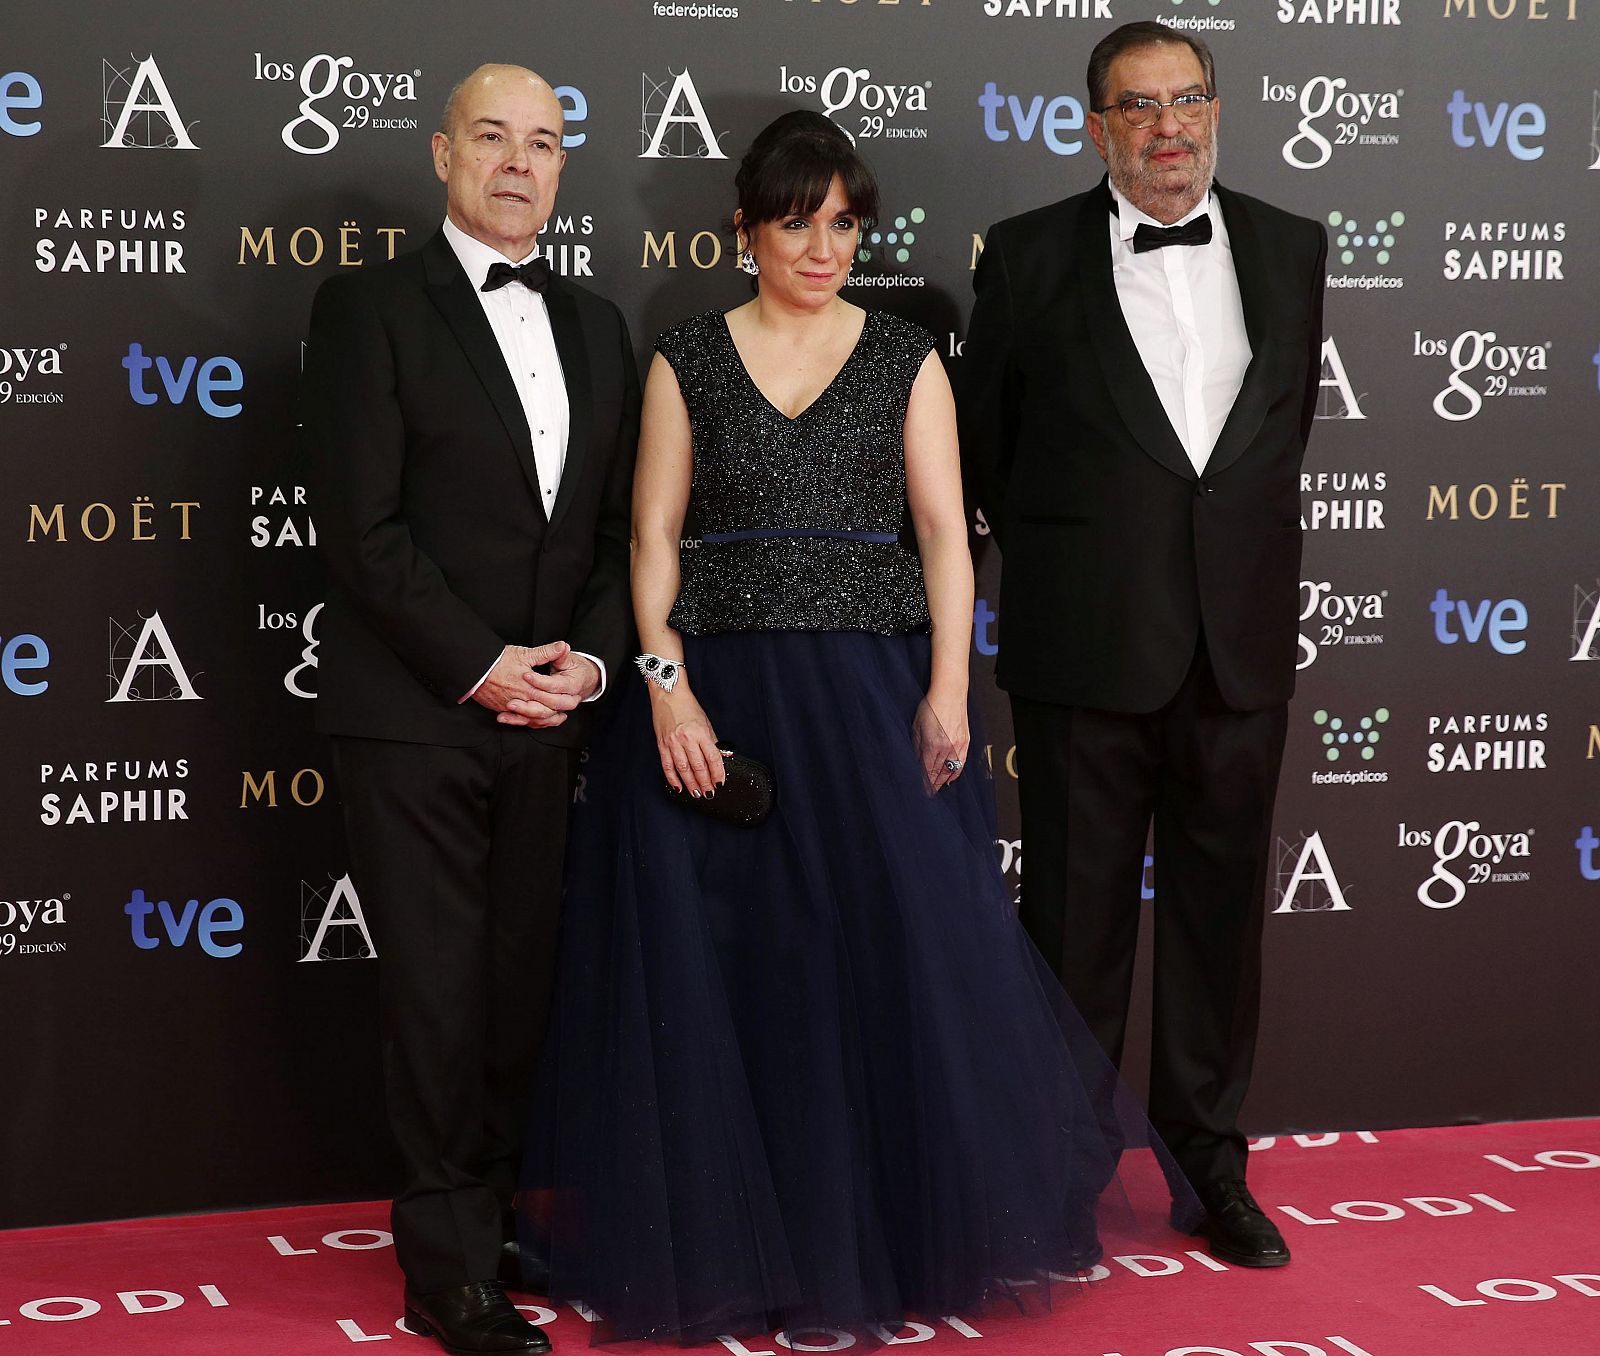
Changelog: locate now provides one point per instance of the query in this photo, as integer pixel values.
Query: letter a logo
(1585, 621)
(1329, 899)
(677, 107)
(1334, 378)
(133, 678)
(143, 95)
(319, 914)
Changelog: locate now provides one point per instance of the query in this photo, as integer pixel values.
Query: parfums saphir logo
(109, 239)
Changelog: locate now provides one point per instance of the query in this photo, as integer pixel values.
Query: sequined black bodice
(802, 521)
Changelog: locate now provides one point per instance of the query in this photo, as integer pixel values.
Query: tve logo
(21, 655)
(205, 924)
(1586, 843)
(574, 109)
(1499, 621)
(18, 89)
(214, 375)
(1008, 114)
(1519, 124)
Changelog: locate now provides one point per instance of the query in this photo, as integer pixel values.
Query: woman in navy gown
(812, 1072)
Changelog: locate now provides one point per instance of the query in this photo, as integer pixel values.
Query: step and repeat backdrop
(186, 976)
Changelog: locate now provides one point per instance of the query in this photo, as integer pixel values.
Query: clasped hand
(522, 695)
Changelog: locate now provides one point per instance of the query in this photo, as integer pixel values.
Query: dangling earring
(747, 261)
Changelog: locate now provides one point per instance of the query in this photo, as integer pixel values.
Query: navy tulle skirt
(812, 1073)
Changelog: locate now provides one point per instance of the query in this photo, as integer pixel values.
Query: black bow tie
(535, 274)
(1148, 237)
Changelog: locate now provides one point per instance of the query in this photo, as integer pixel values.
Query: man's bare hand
(512, 687)
(570, 680)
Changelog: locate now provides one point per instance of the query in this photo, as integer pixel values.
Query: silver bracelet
(662, 672)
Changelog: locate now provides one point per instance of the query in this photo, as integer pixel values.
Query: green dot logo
(1357, 738)
(1352, 241)
(887, 241)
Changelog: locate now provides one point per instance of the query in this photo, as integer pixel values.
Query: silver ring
(952, 765)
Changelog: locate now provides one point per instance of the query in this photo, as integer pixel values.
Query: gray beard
(1157, 195)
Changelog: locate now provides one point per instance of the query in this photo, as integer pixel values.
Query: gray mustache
(1178, 143)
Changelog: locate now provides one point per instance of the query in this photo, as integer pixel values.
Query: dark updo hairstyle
(791, 165)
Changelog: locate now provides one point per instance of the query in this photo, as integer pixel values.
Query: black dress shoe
(523, 1271)
(1237, 1229)
(473, 1320)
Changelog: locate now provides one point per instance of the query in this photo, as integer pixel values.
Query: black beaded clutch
(744, 799)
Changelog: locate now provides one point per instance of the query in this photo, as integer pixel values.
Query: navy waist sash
(759, 533)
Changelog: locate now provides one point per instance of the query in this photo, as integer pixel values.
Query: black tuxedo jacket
(1117, 556)
(427, 502)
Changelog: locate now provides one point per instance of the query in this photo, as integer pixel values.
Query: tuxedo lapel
(452, 294)
(1129, 384)
(1249, 267)
(568, 334)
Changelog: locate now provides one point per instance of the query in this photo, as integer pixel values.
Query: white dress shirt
(1182, 306)
(521, 326)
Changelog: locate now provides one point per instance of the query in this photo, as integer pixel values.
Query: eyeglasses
(1140, 112)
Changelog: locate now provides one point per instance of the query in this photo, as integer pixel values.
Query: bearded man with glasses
(1139, 379)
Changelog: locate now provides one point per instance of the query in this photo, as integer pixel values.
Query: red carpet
(1475, 1241)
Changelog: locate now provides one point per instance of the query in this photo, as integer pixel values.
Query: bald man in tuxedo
(472, 420)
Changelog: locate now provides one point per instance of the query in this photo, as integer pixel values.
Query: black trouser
(456, 855)
(1090, 783)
